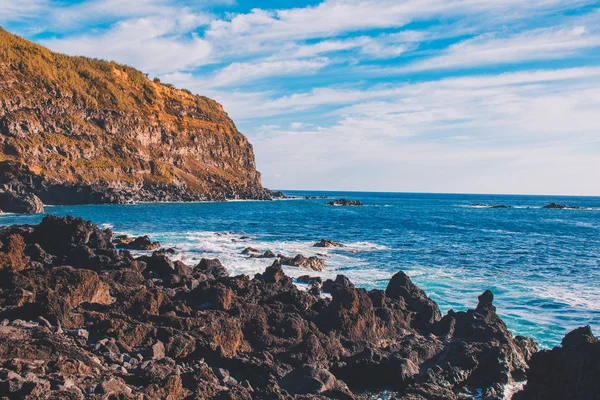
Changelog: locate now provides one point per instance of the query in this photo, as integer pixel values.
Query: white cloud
(247, 72)
(11, 10)
(338, 16)
(488, 49)
(153, 44)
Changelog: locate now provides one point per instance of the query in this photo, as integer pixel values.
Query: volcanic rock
(571, 371)
(328, 243)
(313, 263)
(210, 335)
(561, 206)
(139, 243)
(345, 202)
(478, 205)
(20, 203)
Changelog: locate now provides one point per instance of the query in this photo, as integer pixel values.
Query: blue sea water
(543, 265)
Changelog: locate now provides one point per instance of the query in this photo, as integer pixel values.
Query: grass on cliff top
(95, 83)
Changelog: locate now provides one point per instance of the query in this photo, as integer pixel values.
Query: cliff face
(79, 130)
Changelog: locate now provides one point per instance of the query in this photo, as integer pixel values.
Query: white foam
(576, 295)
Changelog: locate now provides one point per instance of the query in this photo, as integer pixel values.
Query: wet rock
(139, 243)
(561, 206)
(251, 250)
(328, 243)
(315, 290)
(479, 205)
(309, 279)
(266, 254)
(313, 263)
(345, 202)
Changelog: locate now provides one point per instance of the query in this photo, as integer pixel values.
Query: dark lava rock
(139, 243)
(313, 263)
(571, 371)
(12, 202)
(491, 205)
(345, 202)
(309, 279)
(212, 267)
(561, 206)
(328, 243)
(426, 310)
(251, 250)
(155, 328)
(266, 254)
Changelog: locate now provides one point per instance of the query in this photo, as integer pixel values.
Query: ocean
(543, 265)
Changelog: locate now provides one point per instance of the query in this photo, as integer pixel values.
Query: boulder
(426, 310)
(313, 263)
(20, 203)
(212, 268)
(138, 243)
(345, 202)
(571, 371)
(561, 206)
(328, 243)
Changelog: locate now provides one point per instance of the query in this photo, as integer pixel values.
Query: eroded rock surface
(84, 320)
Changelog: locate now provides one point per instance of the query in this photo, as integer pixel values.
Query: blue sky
(480, 96)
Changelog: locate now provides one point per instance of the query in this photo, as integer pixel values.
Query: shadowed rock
(571, 371)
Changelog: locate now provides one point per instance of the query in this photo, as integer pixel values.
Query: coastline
(414, 313)
(402, 314)
(448, 260)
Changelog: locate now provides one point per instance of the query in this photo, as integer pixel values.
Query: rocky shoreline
(23, 192)
(82, 319)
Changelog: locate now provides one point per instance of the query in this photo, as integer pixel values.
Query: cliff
(75, 130)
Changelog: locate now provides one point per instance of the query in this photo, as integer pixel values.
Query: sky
(459, 96)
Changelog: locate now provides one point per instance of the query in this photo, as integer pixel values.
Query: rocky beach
(82, 319)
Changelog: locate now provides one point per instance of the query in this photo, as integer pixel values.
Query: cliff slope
(79, 130)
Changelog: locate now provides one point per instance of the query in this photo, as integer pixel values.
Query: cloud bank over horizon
(470, 96)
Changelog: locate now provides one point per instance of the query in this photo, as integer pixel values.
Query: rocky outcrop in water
(328, 243)
(479, 205)
(345, 202)
(561, 206)
(571, 371)
(138, 243)
(75, 130)
(81, 319)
